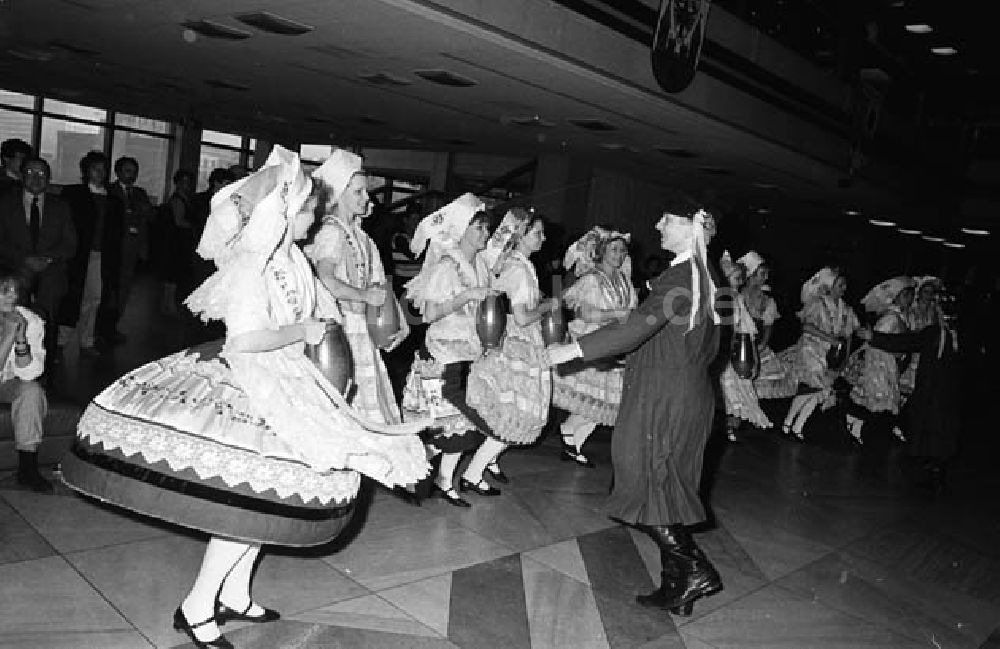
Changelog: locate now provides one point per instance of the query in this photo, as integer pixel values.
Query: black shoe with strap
(224, 614)
(482, 488)
(497, 473)
(182, 625)
(451, 496)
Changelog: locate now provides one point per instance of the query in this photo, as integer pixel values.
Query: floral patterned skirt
(776, 379)
(511, 388)
(741, 399)
(178, 439)
(591, 390)
(437, 391)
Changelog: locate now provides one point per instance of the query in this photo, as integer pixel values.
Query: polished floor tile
(71, 522)
(774, 618)
(488, 607)
(564, 557)
(427, 601)
(382, 559)
(368, 612)
(294, 635)
(562, 611)
(44, 596)
(920, 611)
(77, 640)
(18, 540)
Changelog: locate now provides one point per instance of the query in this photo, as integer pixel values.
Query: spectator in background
(237, 172)
(175, 240)
(201, 206)
(92, 299)
(37, 239)
(22, 359)
(405, 265)
(135, 211)
(13, 153)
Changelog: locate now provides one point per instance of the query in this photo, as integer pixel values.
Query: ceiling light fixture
(928, 237)
(908, 231)
(952, 244)
(268, 22)
(944, 50)
(445, 78)
(882, 223)
(213, 29)
(852, 212)
(763, 210)
(978, 232)
(919, 28)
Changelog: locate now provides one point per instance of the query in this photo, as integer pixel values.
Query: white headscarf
(701, 223)
(438, 232)
(505, 238)
(751, 261)
(248, 220)
(819, 284)
(336, 172)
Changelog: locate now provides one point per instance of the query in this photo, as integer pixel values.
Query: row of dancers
(247, 440)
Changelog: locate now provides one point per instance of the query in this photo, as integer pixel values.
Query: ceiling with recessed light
(508, 77)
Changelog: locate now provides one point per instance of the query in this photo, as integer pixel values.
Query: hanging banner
(680, 33)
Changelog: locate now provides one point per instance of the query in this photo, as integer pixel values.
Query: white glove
(562, 353)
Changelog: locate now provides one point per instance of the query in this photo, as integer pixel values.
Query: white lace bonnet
(336, 172)
(819, 284)
(504, 239)
(882, 295)
(581, 257)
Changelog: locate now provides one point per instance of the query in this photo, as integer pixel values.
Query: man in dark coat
(37, 238)
(933, 411)
(91, 302)
(667, 406)
(131, 206)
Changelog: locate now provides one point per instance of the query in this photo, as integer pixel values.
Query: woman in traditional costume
(603, 293)
(667, 405)
(511, 388)
(828, 323)
(738, 393)
(775, 380)
(348, 263)
(447, 290)
(876, 389)
(245, 440)
(924, 312)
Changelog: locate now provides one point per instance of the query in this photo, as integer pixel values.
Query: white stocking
(235, 591)
(446, 470)
(487, 453)
(221, 556)
(575, 431)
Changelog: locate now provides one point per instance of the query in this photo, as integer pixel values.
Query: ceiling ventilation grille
(212, 29)
(72, 48)
(384, 79)
(268, 22)
(676, 153)
(335, 52)
(445, 78)
(226, 84)
(532, 121)
(596, 125)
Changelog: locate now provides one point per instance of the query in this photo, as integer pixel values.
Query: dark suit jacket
(56, 238)
(84, 211)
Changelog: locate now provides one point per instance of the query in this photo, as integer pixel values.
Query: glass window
(15, 124)
(212, 158)
(74, 110)
(225, 139)
(16, 99)
(315, 152)
(142, 123)
(153, 155)
(375, 182)
(64, 143)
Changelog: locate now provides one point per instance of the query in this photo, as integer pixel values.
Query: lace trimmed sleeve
(584, 292)
(517, 283)
(330, 244)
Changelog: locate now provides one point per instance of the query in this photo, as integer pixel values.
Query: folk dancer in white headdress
(512, 387)
(876, 386)
(828, 323)
(245, 440)
(348, 263)
(603, 293)
(451, 283)
(775, 379)
(739, 394)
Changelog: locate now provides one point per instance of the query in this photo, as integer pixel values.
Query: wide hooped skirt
(147, 444)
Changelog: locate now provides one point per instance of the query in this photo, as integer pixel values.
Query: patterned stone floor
(811, 556)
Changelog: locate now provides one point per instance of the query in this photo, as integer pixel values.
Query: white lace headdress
(581, 257)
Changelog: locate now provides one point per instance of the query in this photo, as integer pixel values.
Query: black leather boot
(28, 475)
(670, 575)
(699, 577)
